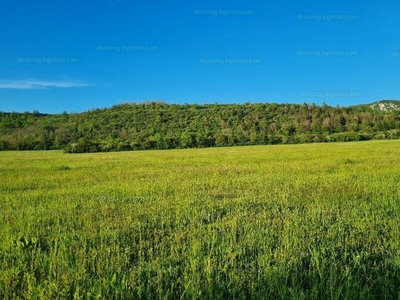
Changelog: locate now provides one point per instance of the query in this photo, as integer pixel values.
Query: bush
(306, 138)
(4, 145)
(122, 146)
(82, 146)
(379, 136)
(106, 147)
(365, 136)
(343, 137)
(393, 134)
(71, 148)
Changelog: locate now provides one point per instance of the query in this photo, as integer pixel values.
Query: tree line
(157, 125)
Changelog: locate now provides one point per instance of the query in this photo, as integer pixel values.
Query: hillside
(383, 105)
(386, 105)
(162, 126)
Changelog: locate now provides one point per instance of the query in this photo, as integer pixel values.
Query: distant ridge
(157, 125)
(383, 105)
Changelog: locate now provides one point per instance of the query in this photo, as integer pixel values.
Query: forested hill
(162, 126)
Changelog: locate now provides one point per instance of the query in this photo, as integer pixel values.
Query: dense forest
(157, 125)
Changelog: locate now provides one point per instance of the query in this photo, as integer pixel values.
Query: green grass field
(316, 221)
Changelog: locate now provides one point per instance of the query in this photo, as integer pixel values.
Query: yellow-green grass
(316, 221)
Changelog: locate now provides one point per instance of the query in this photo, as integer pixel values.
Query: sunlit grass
(293, 221)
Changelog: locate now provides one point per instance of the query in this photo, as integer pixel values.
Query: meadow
(313, 221)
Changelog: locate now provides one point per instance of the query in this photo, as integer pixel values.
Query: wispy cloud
(28, 84)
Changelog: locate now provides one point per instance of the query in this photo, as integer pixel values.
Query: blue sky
(70, 55)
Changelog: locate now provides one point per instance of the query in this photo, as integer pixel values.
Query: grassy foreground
(316, 221)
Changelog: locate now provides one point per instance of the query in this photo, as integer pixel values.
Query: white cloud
(27, 84)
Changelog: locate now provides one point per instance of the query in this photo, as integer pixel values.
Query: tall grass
(317, 221)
